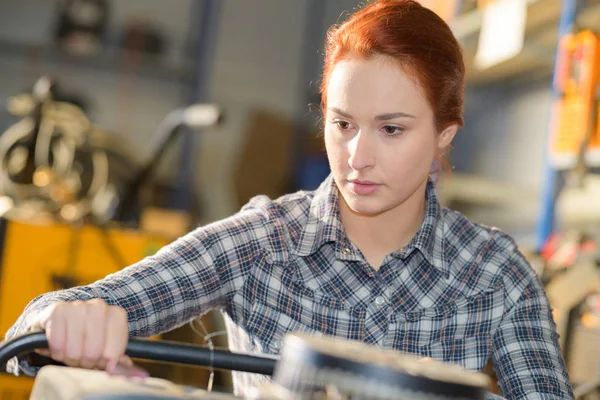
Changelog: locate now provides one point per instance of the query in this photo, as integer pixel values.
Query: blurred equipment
(572, 277)
(310, 368)
(576, 110)
(38, 258)
(321, 367)
(75, 207)
(55, 163)
(64, 257)
(64, 383)
(50, 165)
(196, 116)
(81, 25)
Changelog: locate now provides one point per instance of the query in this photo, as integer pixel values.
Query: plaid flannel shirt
(459, 292)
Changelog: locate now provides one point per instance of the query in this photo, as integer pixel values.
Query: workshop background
(126, 123)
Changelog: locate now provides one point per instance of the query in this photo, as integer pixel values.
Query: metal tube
(550, 189)
(166, 351)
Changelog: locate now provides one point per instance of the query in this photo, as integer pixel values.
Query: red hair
(418, 39)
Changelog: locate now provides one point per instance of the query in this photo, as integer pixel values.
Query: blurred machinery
(311, 367)
(572, 283)
(74, 205)
(55, 163)
(322, 367)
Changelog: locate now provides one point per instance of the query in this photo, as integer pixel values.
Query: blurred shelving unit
(536, 60)
(546, 21)
(109, 60)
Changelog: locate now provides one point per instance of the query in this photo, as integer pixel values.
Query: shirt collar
(430, 238)
(324, 225)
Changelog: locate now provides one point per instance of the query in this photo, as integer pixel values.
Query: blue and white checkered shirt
(459, 292)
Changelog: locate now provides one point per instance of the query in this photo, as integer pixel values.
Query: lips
(363, 187)
(362, 182)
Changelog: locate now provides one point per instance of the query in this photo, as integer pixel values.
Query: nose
(361, 149)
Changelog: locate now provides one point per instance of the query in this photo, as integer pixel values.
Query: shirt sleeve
(526, 353)
(185, 279)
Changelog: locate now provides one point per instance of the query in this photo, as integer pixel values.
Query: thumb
(125, 367)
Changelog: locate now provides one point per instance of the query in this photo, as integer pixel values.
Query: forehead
(375, 85)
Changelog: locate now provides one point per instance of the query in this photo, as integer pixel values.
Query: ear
(447, 135)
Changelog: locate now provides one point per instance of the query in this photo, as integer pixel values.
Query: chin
(367, 206)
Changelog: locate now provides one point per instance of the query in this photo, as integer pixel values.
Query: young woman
(370, 255)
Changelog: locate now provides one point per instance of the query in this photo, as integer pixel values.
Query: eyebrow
(382, 117)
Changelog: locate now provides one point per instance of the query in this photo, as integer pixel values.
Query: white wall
(256, 66)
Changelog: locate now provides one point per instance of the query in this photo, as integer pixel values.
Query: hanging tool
(574, 112)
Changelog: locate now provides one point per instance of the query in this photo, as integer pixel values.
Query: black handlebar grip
(166, 351)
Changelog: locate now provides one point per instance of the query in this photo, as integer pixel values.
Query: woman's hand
(88, 334)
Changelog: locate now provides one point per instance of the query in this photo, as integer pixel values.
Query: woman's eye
(391, 130)
(343, 125)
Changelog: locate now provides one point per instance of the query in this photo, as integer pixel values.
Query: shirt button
(347, 250)
(379, 300)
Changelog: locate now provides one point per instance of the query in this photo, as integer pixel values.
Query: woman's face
(380, 134)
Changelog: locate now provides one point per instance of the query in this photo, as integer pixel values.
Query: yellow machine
(575, 112)
(38, 258)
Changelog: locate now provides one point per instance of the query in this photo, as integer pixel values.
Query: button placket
(376, 321)
(380, 301)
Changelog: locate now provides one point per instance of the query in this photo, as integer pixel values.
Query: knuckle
(57, 309)
(97, 301)
(69, 310)
(118, 313)
(96, 309)
(76, 303)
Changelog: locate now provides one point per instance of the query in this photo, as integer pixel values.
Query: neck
(383, 233)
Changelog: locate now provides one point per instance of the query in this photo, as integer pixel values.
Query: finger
(56, 332)
(40, 325)
(117, 335)
(75, 333)
(43, 352)
(40, 322)
(94, 336)
(126, 367)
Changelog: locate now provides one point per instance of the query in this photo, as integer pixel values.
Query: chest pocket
(289, 307)
(470, 352)
(458, 332)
